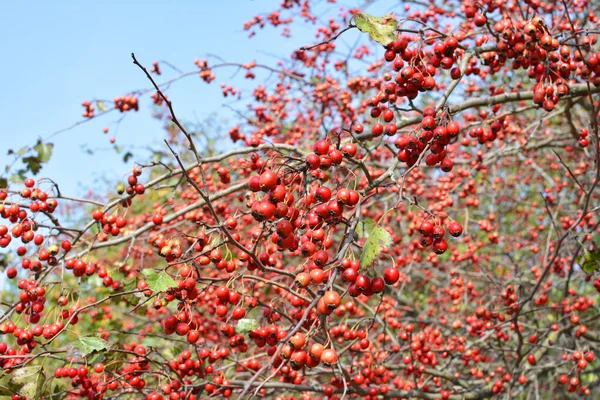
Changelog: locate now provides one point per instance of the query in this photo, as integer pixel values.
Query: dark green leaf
(589, 261)
(3, 183)
(33, 164)
(127, 156)
(380, 29)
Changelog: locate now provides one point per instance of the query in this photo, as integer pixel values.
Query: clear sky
(56, 54)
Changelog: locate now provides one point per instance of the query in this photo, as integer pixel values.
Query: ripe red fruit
(11, 272)
(98, 368)
(438, 232)
(268, 180)
(320, 258)
(193, 336)
(157, 219)
(377, 129)
(440, 246)
(363, 283)
(298, 340)
(316, 350)
(66, 245)
(377, 284)
(479, 20)
(428, 123)
(298, 359)
(329, 357)
(391, 275)
(331, 299)
(335, 156)
(323, 194)
(349, 150)
(238, 313)
(426, 241)
(426, 228)
(455, 229)
(349, 275)
(321, 147)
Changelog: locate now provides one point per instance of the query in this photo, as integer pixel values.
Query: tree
(415, 217)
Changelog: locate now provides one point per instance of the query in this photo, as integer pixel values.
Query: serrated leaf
(377, 239)
(246, 325)
(158, 282)
(380, 29)
(33, 164)
(364, 227)
(128, 284)
(589, 261)
(29, 381)
(5, 389)
(100, 105)
(589, 266)
(89, 344)
(44, 150)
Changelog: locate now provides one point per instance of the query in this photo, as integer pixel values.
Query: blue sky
(56, 54)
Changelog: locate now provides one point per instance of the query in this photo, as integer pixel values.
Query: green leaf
(128, 284)
(44, 150)
(19, 152)
(3, 183)
(29, 381)
(5, 389)
(33, 164)
(246, 325)
(127, 156)
(364, 227)
(380, 29)
(100, 105)
(89, 344)
(158, 282)
(589, 261)
(377, 239)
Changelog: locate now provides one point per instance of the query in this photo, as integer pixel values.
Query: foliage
(413, 217)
